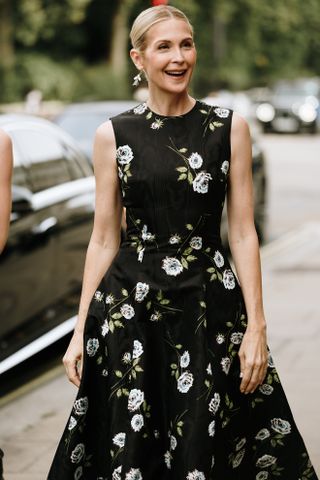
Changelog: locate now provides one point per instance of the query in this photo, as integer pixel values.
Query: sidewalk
(31, 425)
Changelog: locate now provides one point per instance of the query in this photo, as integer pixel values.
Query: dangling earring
(137, 79)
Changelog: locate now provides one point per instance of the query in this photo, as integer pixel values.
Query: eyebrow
(170, 41)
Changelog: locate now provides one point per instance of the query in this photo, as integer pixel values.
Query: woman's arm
(244, 246)
(105, 239)
(6, 165)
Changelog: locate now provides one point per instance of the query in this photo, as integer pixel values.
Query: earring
(137, 79)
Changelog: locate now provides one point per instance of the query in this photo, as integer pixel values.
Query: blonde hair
(149, 17)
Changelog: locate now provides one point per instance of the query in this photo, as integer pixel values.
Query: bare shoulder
(5, 141)
(6, 157)
(104, 144)
(105, 134)
(239, 125)
(241, 144)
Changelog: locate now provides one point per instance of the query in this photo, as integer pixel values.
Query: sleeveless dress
(159, 396)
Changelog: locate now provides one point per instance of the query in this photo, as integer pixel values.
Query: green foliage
(72, 81)
(63, 48)
(266, 40)
(49, 23)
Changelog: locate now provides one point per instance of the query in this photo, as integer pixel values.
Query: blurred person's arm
(6, 165)
(105, 238)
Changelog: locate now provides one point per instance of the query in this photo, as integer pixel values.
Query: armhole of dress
(227, 149)
(113, 123)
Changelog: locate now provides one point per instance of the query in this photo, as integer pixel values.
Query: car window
(47, 161)
(82, 125)
(19, 170)
(78, 163)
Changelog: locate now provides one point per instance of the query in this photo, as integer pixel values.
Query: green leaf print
(184, 262)
(211, 269)
(182, 176)
(117, 323)
(164, 301)
(159, 295)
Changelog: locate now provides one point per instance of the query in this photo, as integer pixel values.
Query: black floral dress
(159, 396)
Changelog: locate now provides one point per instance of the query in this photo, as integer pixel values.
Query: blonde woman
(169, 352)
(6, 164)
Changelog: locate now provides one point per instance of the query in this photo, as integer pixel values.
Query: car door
(27, 264)
(75, 220)
(63, 195)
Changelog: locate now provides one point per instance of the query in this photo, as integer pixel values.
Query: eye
(188, 44)
(163, 46)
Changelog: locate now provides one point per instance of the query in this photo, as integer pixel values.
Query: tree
(6, 44)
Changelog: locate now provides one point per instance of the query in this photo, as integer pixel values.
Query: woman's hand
(73, 355)
(253, 355)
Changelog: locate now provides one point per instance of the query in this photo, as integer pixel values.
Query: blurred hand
(253, 355)
(73, 355)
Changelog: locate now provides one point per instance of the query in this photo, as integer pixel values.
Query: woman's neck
(170, 104)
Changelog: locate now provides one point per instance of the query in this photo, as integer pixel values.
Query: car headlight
(307, 112)
(265, 112)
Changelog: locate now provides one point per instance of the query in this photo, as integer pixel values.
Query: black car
(293, 106)
(42, 264)
(82, 119)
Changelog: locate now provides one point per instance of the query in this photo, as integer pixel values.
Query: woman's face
(170, 56)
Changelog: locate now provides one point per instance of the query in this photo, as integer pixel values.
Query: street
(294, 189)
(290, 264)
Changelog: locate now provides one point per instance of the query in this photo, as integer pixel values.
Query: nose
(178, 55)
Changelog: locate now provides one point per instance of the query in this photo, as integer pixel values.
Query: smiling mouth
(176, 73)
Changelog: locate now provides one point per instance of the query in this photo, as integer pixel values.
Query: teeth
(175, 73)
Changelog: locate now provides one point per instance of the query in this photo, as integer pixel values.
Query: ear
(136, 57)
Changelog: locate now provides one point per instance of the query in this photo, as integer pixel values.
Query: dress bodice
(173, 173)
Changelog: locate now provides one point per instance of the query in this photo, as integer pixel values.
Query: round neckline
(173, 116)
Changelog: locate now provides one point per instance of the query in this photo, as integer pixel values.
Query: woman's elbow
(242, 232)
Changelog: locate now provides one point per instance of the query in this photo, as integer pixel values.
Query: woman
(6, 163)
(175, 379)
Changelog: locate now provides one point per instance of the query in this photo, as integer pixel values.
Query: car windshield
(82, 125)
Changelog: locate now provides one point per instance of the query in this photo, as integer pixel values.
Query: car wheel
(266, 129)
(313, 128)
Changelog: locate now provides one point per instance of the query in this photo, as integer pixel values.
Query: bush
(60, 80)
